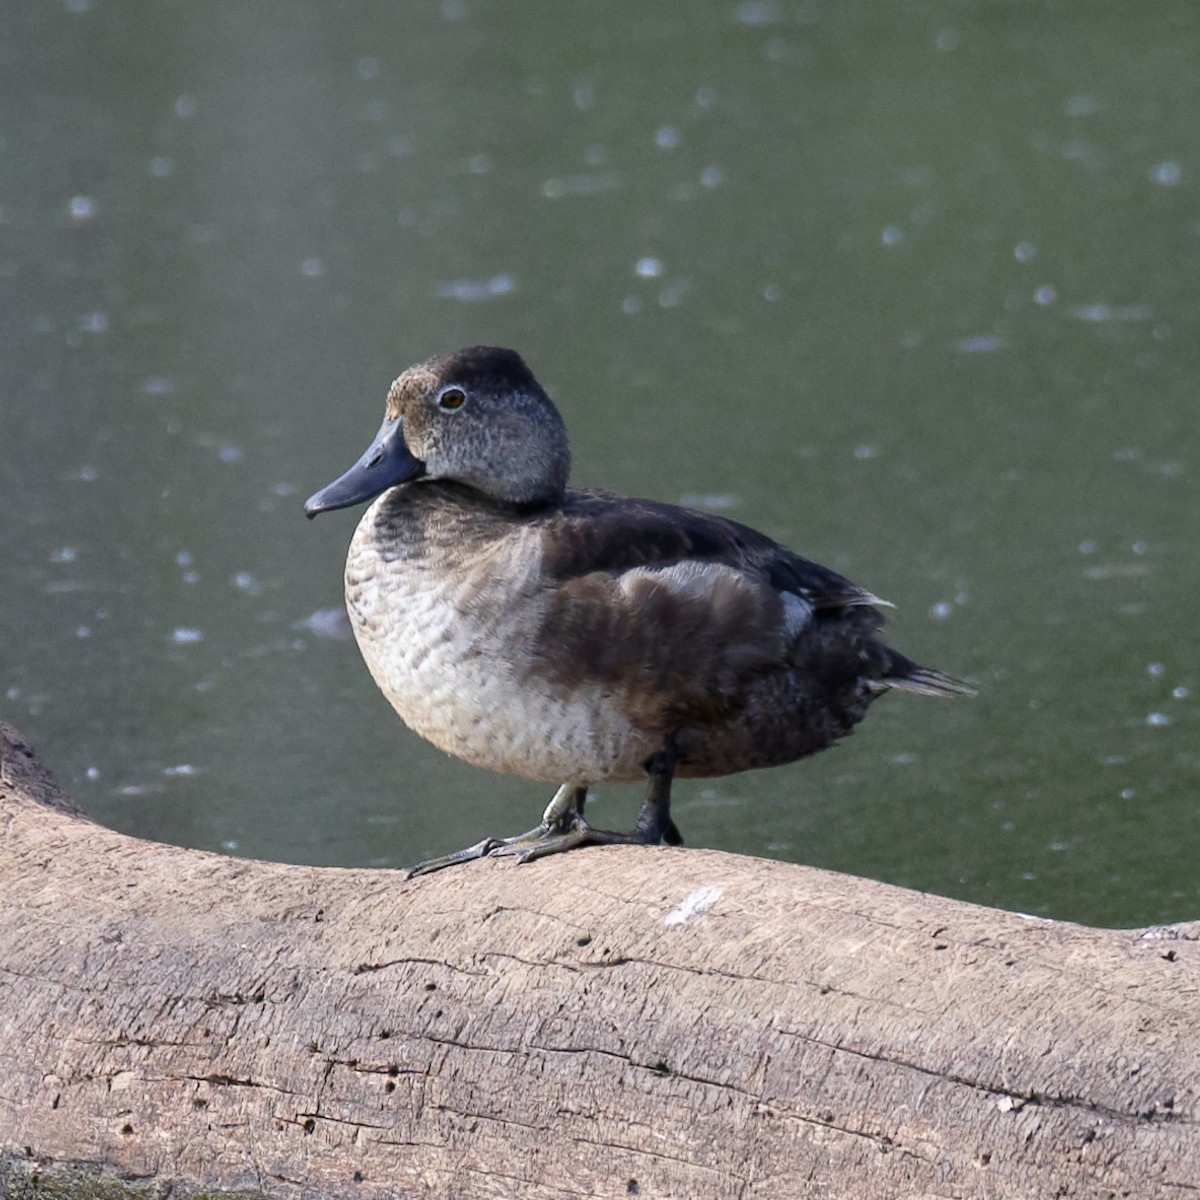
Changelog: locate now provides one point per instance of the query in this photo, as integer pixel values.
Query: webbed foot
(563, 827)
(582, 834)
(559, 817)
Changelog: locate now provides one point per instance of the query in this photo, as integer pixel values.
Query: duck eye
(452, 398)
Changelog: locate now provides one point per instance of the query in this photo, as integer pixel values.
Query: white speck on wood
(692, 905)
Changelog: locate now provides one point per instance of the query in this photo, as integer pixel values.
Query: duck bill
(387, 462)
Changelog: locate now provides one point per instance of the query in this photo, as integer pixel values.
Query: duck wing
(596, 531)
(674, 610)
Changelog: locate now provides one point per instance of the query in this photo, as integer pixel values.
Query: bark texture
(616, 1022)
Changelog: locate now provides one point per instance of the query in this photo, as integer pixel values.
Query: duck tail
(907, 676)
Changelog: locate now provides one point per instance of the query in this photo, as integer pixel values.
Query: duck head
(476, 417)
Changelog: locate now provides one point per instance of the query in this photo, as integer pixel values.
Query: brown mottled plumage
(577, 636)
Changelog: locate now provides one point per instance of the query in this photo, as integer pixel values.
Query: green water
(909, 287)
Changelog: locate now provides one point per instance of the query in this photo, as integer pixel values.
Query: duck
(576, 637)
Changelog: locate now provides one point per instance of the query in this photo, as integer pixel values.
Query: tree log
(614, 1022)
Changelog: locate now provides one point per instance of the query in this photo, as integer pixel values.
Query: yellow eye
(452, 398)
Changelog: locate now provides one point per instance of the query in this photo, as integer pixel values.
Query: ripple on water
(469, 290)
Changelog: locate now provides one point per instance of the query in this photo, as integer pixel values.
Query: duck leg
(563, 826)
(654, 822)
(561, 815)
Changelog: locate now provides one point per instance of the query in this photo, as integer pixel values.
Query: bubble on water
(94, 322)
(245, 582)
(580, 185)
(1045, 295)
(1180, 693)
(584, 96)
(866, 451)
(1111, 312)
(81, 208)
(941, 610)
(161, 166)
(1157, 718)
(1167, 173)
(182, 769)
(771, 291)
(158, 385)
(711, 177)
(327, 623)
(367, 67)
(716, 501)
(1087, 547)
(1024, 251)
(757, 12)
(83, 631)
(92, 773)
(667, 138)
(947, 39)
(892, 235)
(476, 289)
(478, 164)
(648, 268)
(706, 97)
(631, 304)
(185, 636)
(231, 454)
(672, 295)
(64, 554)
(185, 107)
(312, 267)
(980, 343)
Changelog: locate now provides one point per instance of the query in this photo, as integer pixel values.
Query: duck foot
(563, 827)
(582, 834)
(546, 839)
(559, 817)
(483, 849)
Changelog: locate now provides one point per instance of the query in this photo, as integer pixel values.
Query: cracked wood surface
(615, 1022)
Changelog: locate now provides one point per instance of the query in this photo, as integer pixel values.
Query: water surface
(910, 288)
